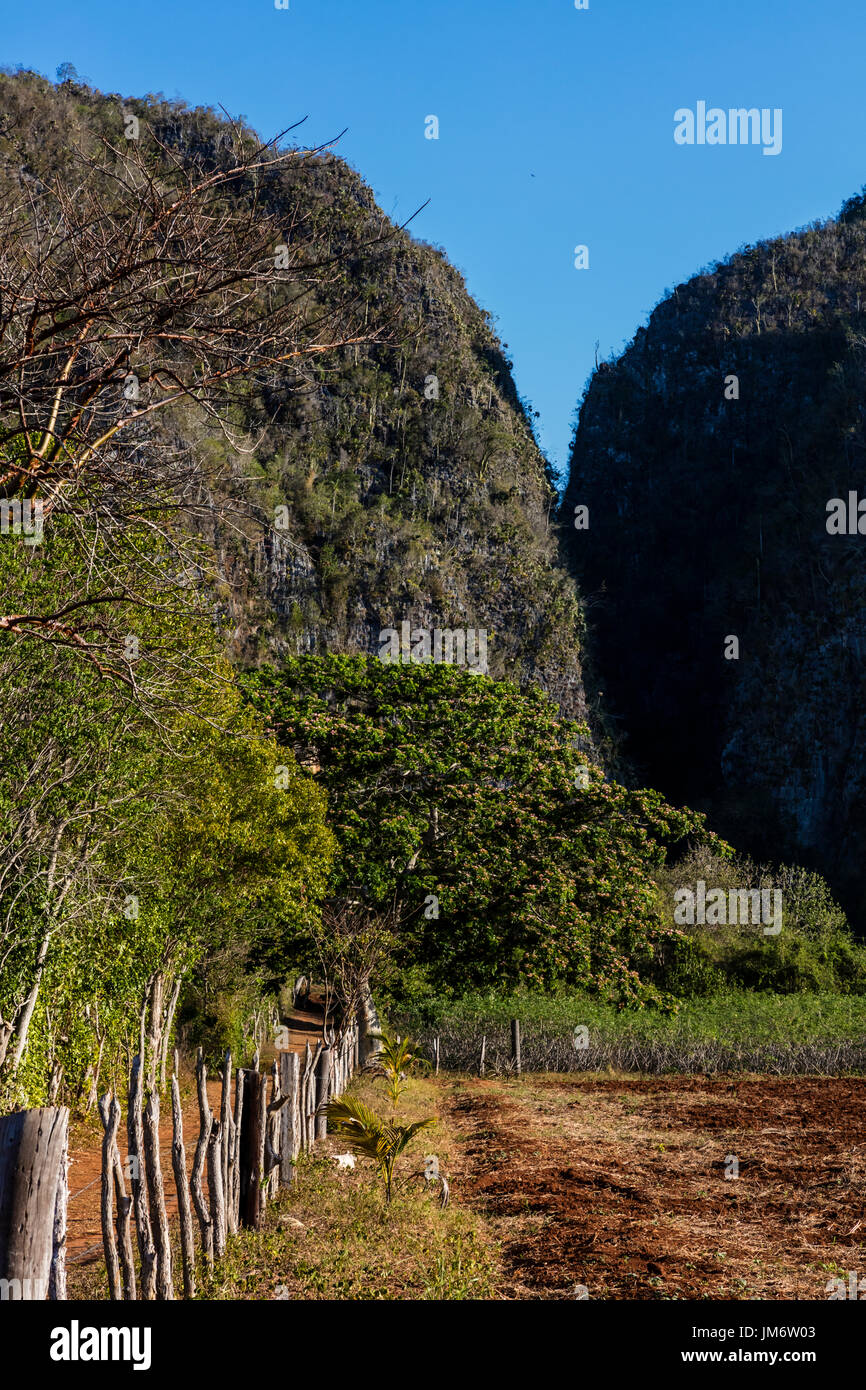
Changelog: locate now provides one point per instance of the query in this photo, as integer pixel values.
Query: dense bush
(814, 951)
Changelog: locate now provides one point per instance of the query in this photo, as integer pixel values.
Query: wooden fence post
(196, 1186)
(235, 1204)
(124, 1232)
(323, 1091)
(436, 1053)
(483, 1055)
(178, 1163)
(156, 1194)
(515, 1044)
(279, 1102)
(252, 1152)
(290, 1136)
(57, 1281)
(138, 1182)
(226, 1123)
(215, 1188)
(308, 1094)
(32, 1145)
(109, 1113)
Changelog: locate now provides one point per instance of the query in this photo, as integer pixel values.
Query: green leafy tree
(476, 805)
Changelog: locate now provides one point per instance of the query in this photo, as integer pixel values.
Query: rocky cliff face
(392, 482)
(708, 456)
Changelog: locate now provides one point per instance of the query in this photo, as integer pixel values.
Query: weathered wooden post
(515, 1044)
(57, 1280)
(196, 1186)
(32, 1148)
(109, 1113)
(226, 1119)
(215, 1189)
(252, 1151)
(323, 1091)
(436, 1053)
(138, 1182)
(290, 1129)
(234, 1206)
(272, 1136)
(178, 1163)
(124, 1232)
(308, 1086)
(156, 1196)
(483, 1055)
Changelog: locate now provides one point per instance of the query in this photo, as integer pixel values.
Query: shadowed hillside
(707, 455)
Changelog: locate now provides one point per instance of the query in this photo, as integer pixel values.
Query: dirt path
(620, 1185)
(84, 1228)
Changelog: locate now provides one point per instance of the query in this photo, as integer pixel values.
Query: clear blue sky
(556, 128)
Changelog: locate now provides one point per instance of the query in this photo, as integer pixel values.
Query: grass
(741, 1015)
(331, 1235)
(732, 1030)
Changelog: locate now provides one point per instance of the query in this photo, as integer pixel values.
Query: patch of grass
(734, 1030)
(740, 1015)
(332, 1236)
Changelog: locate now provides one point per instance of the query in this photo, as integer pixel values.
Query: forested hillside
(707, 455)
(396, 479)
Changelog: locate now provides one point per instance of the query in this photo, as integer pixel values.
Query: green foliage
(145, 826)
(372, 1137)
(464, 797)
(737, 1017)
(396, 1059)
(814, 951)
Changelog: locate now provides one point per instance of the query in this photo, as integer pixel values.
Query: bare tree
(355, 946)
(136, 283)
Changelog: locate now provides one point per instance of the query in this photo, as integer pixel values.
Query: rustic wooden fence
(244, 1154)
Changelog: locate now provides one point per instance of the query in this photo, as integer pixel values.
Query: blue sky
(555, 129)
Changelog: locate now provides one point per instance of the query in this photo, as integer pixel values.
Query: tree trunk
(25, 1013)
(166, 1032)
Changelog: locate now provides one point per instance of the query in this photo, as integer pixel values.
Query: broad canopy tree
(475, 807)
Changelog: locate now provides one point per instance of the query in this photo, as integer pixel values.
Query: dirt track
(620, 1185)
(84, 1228)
